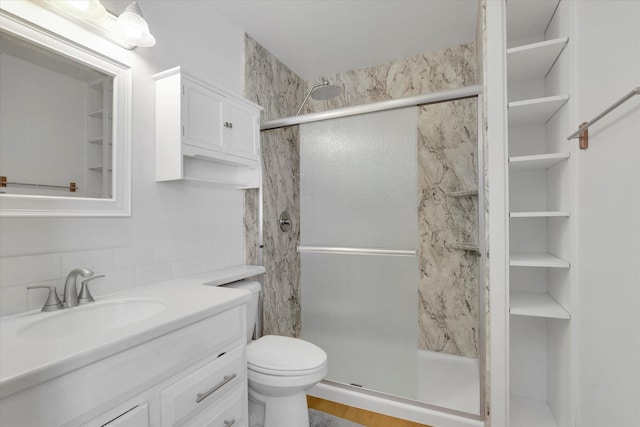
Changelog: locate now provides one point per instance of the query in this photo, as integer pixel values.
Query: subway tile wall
(124, 267)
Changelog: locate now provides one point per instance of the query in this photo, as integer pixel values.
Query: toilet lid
(284, 356)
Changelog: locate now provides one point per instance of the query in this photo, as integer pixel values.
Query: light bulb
(132, 28)
(84, 9)
(82, 5)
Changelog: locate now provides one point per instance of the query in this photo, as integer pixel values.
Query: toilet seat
(284, 356)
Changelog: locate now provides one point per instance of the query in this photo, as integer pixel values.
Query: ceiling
(322, 37)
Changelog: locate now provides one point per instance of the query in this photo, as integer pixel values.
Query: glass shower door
(358, 247)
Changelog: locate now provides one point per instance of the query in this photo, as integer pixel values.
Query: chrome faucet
(70, 287)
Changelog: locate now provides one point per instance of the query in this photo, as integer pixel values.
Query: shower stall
(388, 246)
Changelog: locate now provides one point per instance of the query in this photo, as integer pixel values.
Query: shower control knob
(285, 222)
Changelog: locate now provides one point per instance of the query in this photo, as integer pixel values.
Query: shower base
(448, 393)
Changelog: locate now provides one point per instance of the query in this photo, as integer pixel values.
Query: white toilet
(280, 370)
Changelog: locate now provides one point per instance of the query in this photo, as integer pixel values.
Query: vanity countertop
(26, 361)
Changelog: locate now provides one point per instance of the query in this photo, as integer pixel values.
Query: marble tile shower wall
(448, 277)
(449, 321)
(124, 268)
(279, 91)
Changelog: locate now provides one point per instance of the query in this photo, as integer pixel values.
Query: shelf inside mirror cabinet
(536, 304)
(533, 61)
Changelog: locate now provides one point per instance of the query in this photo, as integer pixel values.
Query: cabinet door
(202, 111)
(242, 131)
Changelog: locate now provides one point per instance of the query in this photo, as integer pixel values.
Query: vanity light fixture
(128, 30)
(132, 28)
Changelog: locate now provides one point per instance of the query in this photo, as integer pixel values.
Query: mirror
(64, 127)
(55, 115)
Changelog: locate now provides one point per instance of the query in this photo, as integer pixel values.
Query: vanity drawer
(231, 412)
(203, 387)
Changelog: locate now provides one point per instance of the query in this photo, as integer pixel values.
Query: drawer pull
(229, 423)
(201, 396)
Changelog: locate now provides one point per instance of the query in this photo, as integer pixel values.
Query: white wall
(175, 228)
(608, 287)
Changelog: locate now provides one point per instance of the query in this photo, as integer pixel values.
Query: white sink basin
(92, 318)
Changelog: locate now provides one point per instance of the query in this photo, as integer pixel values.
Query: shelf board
(535, 111)
(528, 412)
(533, 61)
(536, 259)
(218, 182)
(99, 169)
(96, 114)
(542, 214)
(536, 162)
(536, 304)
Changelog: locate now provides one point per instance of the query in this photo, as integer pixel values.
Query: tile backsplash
(124, 267)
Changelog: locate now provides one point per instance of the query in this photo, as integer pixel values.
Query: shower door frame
(466, 92)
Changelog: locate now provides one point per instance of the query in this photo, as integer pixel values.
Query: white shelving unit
(540, 210)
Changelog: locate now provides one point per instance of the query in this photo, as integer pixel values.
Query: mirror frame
(15, 205)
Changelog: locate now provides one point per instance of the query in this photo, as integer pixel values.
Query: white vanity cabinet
(197, 122)
(193, 376)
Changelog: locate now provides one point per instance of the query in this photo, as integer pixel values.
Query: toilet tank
(252, 305)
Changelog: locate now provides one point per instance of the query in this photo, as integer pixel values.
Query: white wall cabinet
(541, 207)
(204, 133)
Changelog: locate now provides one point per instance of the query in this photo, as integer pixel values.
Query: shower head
(321, 91)
(326, 91)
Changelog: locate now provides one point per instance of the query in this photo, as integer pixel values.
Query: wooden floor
(357, 415)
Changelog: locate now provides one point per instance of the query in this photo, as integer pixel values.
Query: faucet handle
(53, 302)
(85, 296)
